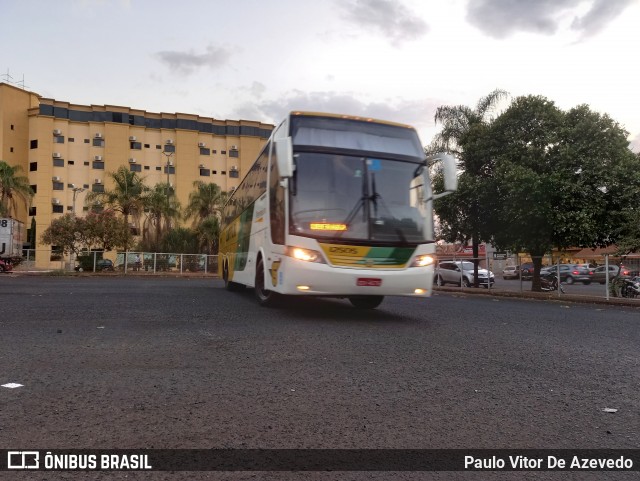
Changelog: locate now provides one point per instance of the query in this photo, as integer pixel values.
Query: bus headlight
(423, 260)
(307, 255)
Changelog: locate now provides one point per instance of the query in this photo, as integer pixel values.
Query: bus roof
(349, 117)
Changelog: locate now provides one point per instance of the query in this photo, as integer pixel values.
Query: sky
(397, 60)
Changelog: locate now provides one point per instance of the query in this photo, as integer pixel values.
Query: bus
(335, 206)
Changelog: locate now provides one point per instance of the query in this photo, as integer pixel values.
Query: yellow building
(64, 148)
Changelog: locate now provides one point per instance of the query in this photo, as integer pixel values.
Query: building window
(58, 162)
(32, 211)
(233, 153)
(34, 188)
(205, 172)
(159, 147)
(146, 167)
(158, 168)
(146, 146)
(98, 165)
(85, 186)
(98, 142)
(86, 162)
(205, 151)
(33, 166)
(234, 173)
(11, 149)
(58, 209)
(172, 169)
(214, 172)
(33, 144)
(71, 162)
(97, 188)
(135, 168)
(223, 152)
(11, 126)
(169, 148)
(58, 185)
(135, 145)
(223, 172)
(214, 152)
(71, 139)
(58, 139)
(86, 141)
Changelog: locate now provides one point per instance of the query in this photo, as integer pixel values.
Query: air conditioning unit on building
(201, 144)
(97, 158)
(57, 132)
(169, 141)
(57, 155)
(132, 161)
(201, 166)
(133, 138)
(234, 167)
(55, 178)
(98, 135)
(170, 162)
(234, 147)
(55, 201)
(97, 181)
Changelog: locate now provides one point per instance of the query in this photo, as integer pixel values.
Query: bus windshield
(355, 198)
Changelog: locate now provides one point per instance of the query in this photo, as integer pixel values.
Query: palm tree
(208, 232)
(161, 207)
(12, 188)
(462, 129)
(127, 195)
(206, 201)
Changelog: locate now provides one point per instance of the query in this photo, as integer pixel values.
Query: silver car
(461, 272)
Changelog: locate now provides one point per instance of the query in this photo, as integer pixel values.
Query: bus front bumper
(296, 277)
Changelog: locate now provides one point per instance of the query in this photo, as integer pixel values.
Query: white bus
(334, 206)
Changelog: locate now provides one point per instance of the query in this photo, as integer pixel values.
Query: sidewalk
(543, 296)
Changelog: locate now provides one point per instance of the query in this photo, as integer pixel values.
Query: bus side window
(276, 202)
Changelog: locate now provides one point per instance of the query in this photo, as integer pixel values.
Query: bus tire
(366, 302)
(229, 285)
(266, 298)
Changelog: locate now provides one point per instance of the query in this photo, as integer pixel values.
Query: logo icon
(23, 460)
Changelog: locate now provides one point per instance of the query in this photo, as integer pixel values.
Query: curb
(541, 296)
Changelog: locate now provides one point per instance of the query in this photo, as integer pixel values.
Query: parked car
(101, 265)
(600, 273)
(526, 270)
(511, 272)
(455, 272)
(571, 273)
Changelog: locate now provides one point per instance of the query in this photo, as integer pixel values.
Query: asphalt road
(113, 362)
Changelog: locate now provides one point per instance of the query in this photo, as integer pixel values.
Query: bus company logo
(352, 251)
(23, 460)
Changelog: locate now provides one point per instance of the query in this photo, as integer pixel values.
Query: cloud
(389, 17)
(502, 18)
(418, 113)
(601, 13)
(188, 62)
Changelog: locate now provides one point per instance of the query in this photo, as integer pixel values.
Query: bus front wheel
(265, 297)
(366, 302)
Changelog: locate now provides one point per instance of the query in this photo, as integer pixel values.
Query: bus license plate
(369, 281)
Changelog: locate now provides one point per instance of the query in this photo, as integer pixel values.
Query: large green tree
(13, 187)
(557, 178)
(462, 214)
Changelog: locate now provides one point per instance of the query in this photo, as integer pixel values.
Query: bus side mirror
(449, 172)
(284, 154)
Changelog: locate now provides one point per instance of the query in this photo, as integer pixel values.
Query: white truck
(12, 236)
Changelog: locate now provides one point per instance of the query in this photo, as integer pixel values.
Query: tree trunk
(537, 265)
